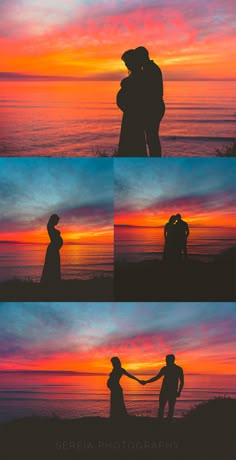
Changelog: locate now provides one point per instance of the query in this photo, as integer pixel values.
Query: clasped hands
(143, 382)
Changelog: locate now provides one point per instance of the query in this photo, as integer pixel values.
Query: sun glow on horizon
(145, 218)
(104, 236)
(200, 365)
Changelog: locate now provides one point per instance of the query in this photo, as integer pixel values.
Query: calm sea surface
(78, 396)
(82, 119)
(24, 261)
(134, 244)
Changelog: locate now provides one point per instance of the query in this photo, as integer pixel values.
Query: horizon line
(162, 226)
(18, 76)
(94, 373)
(46, 243)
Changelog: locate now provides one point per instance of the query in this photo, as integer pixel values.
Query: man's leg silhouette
(185, 249)
(163, 398)
(171, 403)
(152, 131)
(153, 141)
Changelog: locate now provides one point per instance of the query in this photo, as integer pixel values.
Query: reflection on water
(142, 243)
(80, 118)
(24, 394)
(77, 261)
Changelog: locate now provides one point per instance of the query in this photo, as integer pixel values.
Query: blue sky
(79, 190)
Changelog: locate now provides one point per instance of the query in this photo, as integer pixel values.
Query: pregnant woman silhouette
(117, 408)
(52, 269)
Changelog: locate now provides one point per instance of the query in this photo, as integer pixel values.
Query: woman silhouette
(132, 140)
(117, 407)
(169, 235)
(52, 271)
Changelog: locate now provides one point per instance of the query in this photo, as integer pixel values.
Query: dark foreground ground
(154, 280)
(96, 289)
(206, 433)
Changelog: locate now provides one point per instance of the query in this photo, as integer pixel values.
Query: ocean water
(82, 119)
(84, 261)
(134, 244)
(72, 396)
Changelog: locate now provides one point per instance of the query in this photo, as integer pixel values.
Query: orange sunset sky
(188, 38)
(62, 336)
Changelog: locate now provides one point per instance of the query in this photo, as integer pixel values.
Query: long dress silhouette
(52, 270)
(132, 140)
(171, 247)
(117, 404)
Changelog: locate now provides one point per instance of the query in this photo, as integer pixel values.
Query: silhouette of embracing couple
(172, 385)
(176, 232)
(141, 101)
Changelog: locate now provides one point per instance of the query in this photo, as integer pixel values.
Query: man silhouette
(153, 107)
(171, 388)
(182, 234)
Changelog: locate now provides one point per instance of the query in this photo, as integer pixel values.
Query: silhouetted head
(130, 60)
(142, 55)
(115, 362)
(178, 217)
(54, 219)
(172, 219)
(170, 359)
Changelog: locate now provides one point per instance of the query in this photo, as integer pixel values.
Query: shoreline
(192, 437)
(93, 289)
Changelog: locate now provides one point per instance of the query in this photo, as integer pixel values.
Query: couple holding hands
(171, 388)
